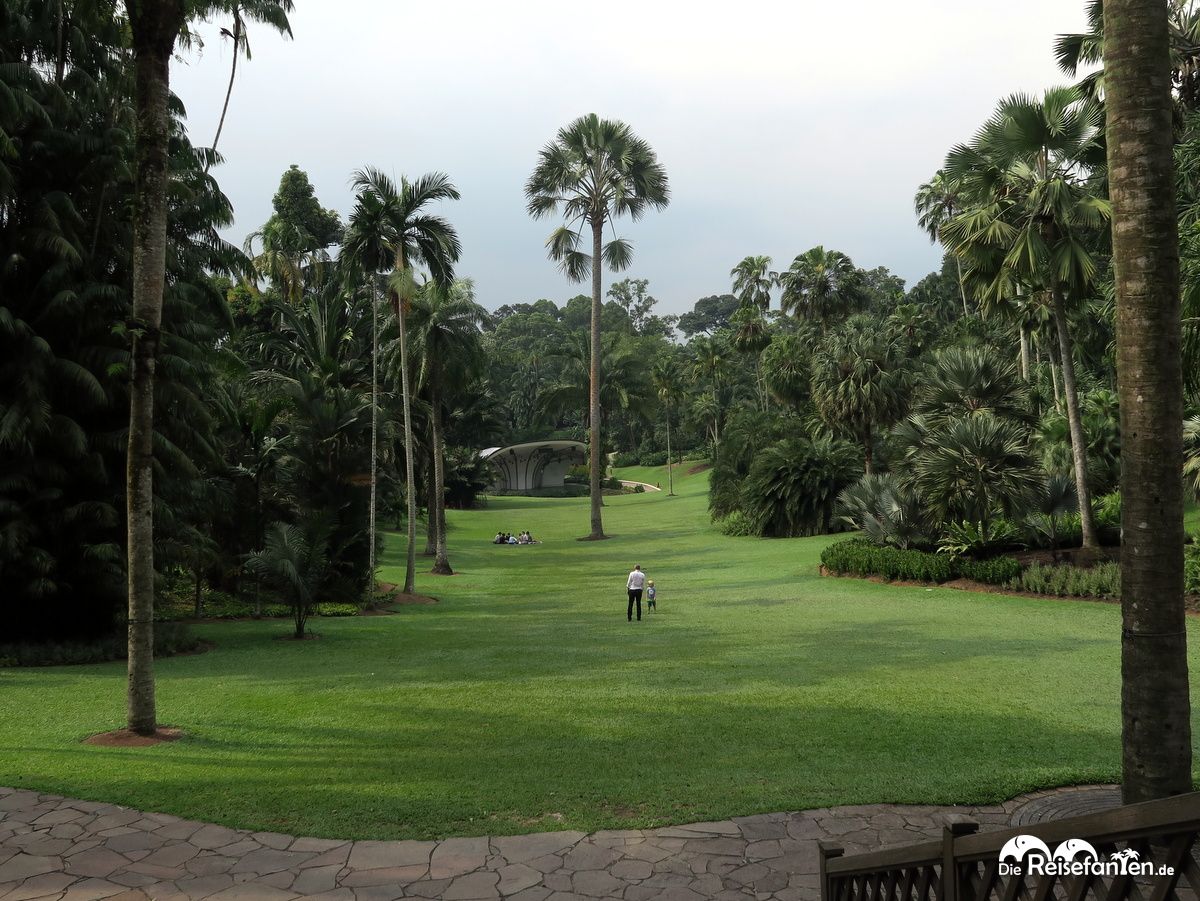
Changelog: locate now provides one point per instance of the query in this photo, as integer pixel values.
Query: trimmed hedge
(1064, 580)
(859, 557)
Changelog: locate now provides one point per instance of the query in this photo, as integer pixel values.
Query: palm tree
(1155, 707)
(936, 203)
(447, 336)
(295, 560)
(389, 227)
(821, 284)
(593, 172)
(667, 383)
(154, 26)
(753, 281)
(860, 382)
(973, 467)
(1075, 51)
(1030, 212)
(964, 381)
(272, 12)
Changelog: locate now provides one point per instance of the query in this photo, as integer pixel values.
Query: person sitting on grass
(499, 539)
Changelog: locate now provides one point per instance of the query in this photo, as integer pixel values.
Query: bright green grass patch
(525, 701)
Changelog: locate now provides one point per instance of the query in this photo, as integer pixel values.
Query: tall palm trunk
(410, 564)
(1024, 353)
(596, 450)
(962, 287)
(441, 563)
(431, 515)
(374, 434)
(154, 26)
(1155, 707)
(1087, 518)
(670, 464)
(237, 44)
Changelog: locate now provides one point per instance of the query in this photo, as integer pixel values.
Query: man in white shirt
(634, 584)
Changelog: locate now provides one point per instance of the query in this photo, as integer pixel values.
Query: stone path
(59, 848)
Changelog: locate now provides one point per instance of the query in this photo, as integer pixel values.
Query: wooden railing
(965, 864)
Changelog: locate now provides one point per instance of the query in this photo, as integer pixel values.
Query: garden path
(58, 848)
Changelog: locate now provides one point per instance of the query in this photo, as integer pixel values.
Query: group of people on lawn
(509, 538)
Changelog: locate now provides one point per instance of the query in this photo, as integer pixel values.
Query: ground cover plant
(525, 701)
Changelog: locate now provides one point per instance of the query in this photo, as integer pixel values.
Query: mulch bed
(699, 467)
(391, 596)
(123, 738)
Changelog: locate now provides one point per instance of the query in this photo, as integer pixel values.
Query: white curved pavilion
(535, 465)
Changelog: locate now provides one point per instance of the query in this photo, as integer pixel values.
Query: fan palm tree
(753, 281)
(390, 228)
(821, 284)
(1076, 51)
(936, 202)
(1030, 212)
(860, 383)
(447, 338)
(1155, 706)
(593, 172)
(667, 384)
(974, 467)
(964, 381)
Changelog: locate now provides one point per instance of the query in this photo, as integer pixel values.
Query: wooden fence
(965, 865)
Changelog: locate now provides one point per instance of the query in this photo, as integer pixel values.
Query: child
(650, 595)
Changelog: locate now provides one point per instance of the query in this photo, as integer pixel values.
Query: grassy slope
(525, 701)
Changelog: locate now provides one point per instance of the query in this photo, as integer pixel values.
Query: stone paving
(58, 848)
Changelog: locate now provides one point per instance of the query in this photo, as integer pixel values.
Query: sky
(781, 125)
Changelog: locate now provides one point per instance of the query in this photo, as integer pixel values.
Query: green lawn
(525, 701)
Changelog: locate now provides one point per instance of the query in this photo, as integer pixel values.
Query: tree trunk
(868, 450)
(154, 27)
(237, 43)
(410, 565)
(431, 512)
(441, 563)
(670, 466)
(60, 53)
(962, 288)
(1024, 353)
(371, 507)
(596, 450)
(1075, 420)
(1155, 707)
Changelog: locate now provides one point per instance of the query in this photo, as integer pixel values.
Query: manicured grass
(525, 701)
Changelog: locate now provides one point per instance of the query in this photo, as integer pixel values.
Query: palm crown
(593, 172)
(389, 228)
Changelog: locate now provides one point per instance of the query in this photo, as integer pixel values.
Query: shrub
(737, 525)
(996, 571)
(859, 557)
(886, 511)
(169, 638)
(966, 538)
(657, 458)
(1191, 569)
(625, 458)
(613, 484)
(793, 484)
(1102, 581)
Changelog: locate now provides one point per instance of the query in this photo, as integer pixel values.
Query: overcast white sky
(781, 125)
